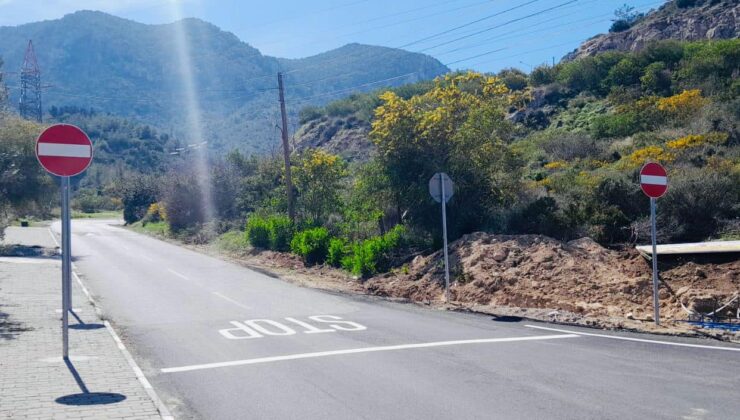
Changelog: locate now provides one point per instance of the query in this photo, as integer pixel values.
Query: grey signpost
(441, 189)
(66, 266)
(654, 183)
(65, 151)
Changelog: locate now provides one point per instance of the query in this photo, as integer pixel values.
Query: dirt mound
(580, 277)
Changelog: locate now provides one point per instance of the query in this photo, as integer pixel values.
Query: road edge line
(164, 412)
(639, 340)
(358, 350)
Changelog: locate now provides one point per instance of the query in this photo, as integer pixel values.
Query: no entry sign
(653, 180)
(64, 150)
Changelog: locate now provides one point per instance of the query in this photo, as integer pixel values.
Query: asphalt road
(219, 341)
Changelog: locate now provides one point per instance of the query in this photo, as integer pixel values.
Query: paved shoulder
(35, 382)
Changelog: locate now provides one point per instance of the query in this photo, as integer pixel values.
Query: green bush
(682, 4)
(258, 232)
(372, 255)
(542, 75)
(281, 232)
(311, 244)
(309, 113)
(619, 26)
(616, 125)
(337, 251)
(541, 216)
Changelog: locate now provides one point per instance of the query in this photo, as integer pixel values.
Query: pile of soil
(577, 279)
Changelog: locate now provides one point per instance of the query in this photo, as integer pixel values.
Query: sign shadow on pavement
(86, 397)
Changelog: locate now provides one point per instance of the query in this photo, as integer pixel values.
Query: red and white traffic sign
(64, 150)
(653, 180)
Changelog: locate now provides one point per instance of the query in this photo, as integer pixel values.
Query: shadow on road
(507, 318)
(86, 397)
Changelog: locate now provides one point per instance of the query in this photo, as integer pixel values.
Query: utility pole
(286, 148)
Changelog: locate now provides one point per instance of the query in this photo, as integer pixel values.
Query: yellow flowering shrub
(156, 212)
(558, 164)
(696, 140)
(545, 183)
(588, 179)
(650, 153)
(686, 102)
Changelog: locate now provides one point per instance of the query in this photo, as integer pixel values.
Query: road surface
(219, 341)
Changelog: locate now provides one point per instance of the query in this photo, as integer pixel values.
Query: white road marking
(29, 260)
(182, 276)
(228, 299)
(146, 257)
(54, 238)
(360, 350)
(641, 340)
(75, 310)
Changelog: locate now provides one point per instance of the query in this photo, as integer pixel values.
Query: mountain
(684, 20)
(114, 65)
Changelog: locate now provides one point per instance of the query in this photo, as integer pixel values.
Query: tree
(25, 189)
(624, 18)
(137, 192)
(183, 201)
(458, 127)
(319, 181)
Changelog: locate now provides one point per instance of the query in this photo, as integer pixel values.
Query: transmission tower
(30, 103)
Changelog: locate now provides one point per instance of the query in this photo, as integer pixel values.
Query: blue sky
(484, 35)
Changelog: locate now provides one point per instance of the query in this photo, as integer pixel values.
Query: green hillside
(113, 65)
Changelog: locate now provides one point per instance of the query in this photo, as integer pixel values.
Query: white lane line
(361, 350)
(54, 238)
(146, 258)
(226, 298)
(182, 276)
(641, 340)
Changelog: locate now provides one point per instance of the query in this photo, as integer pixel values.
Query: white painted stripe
(361, 350)
(653, 180)
(65, 150)
(228, 299)
(182, 276)
(640, 340)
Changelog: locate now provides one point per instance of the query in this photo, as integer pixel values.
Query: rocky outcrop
(707, 19)
(347, 137)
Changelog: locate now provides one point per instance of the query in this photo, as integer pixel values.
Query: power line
(416, 18)
(306, 98)
(440, 33)
(501, 25)
(591, 21)
(467, 24)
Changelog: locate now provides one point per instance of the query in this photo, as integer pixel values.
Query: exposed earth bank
(576, 282)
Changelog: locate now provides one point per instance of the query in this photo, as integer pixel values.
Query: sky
(484, 35)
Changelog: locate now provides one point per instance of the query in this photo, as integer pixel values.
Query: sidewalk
(35, 382)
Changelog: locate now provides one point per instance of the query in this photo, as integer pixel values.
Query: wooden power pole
(286, 149)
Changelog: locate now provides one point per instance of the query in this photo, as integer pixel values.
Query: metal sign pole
(66, 266)
(444, 238)
(655, 263)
